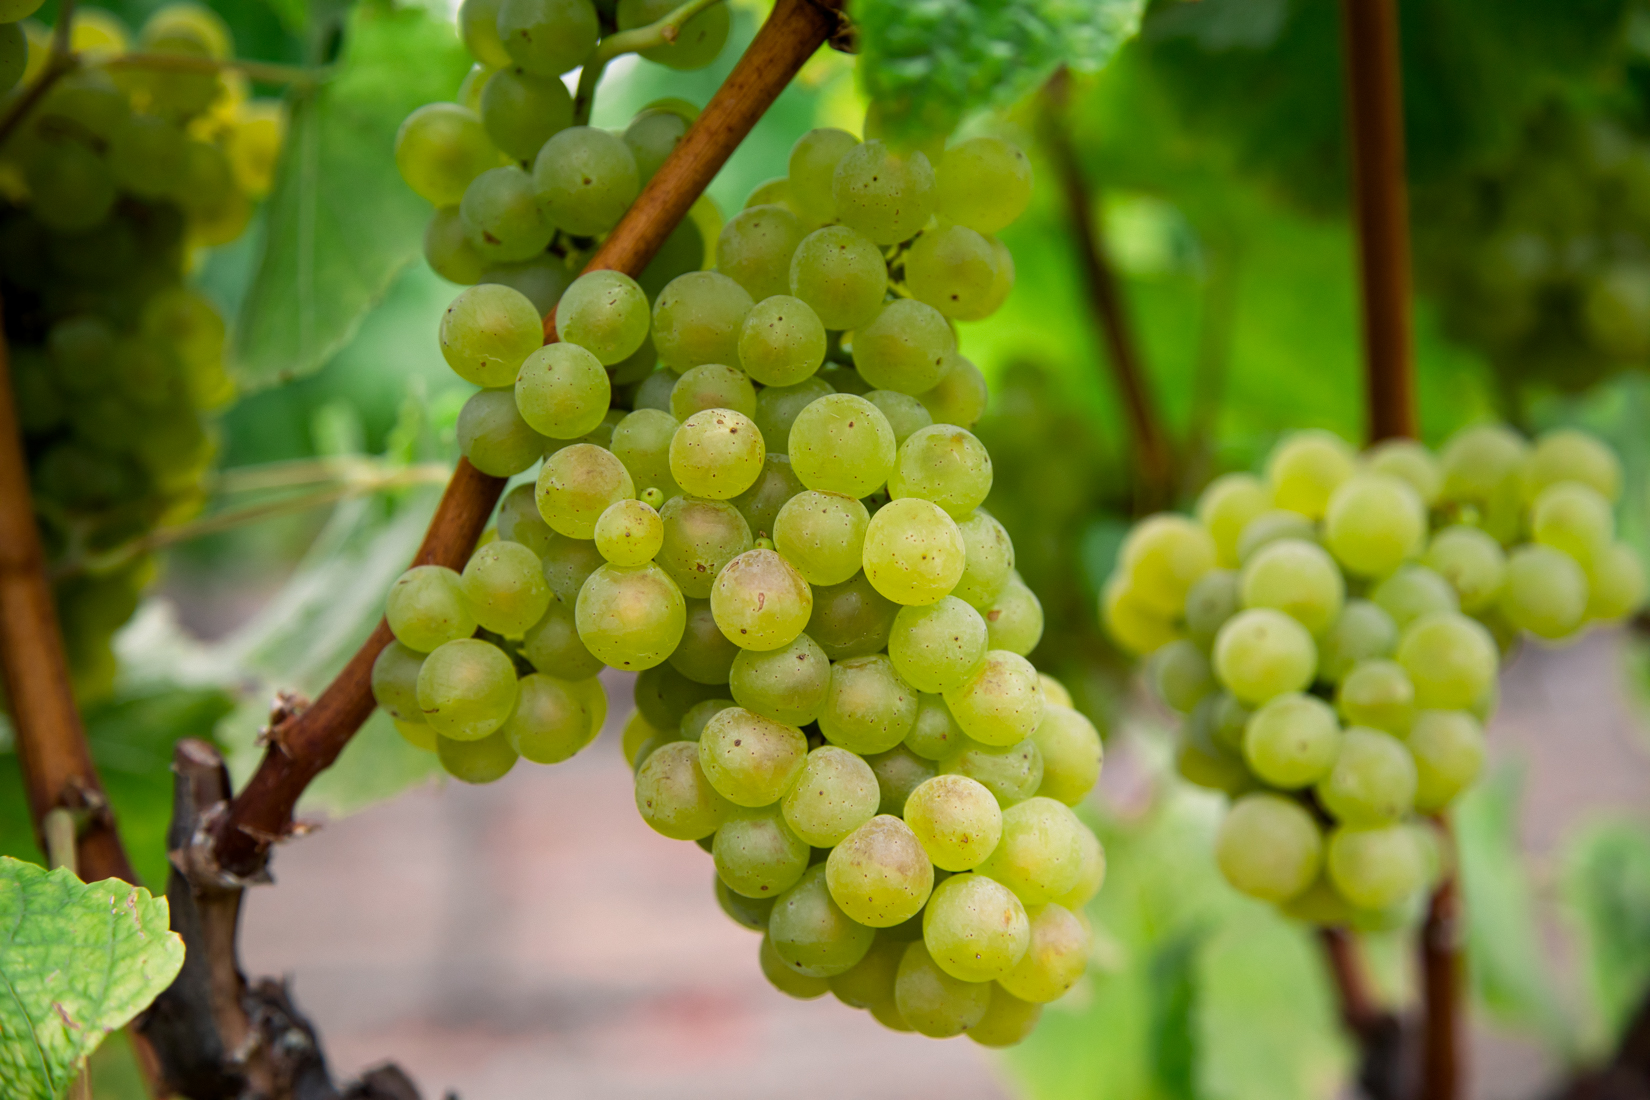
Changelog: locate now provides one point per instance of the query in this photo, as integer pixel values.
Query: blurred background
(535, 938)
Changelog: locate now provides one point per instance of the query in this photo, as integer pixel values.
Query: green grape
(1132, 624)
(975, 929)
(956, 819)
(1296, 577)
(757, 855)
(552, 645)
(1471, 561)
(781, 342)
(697, 319)
(1007, 1020)
(788, 684)
(955, 270)
(751, 760)
(642, 443)
(448, 251)
(478, 26)
(1373, 780)
(1411, 463)
(562, 391)
(576, 485)
(1292, 741)
(696, 44)
(1207, 761)
(426, 608)
(1450, 659)
(932, 1001)
(704, 655)
(1566, 454)
(395, 681)
(1261, 653)
(503, 217)
(1477, 461)
(631, 618)
(521, 110)
(1374, 868)
(1039, 856)
(1181, 675)
(906, 415)
(629, 532)
(1269, 847)
(568, 563)
(440, 148)
(420, 736)
(938, 647)
(487, 332)
(769, 493)
(605, 313)
(1615, 584)
(1071, 753)
(1373, 523)
(712, 386)
(914, 553)
(1414, 592)
(983, 183)
(1212, 600)
(851, 619)
(899, 771)
(811, 933)
(637, 367)
(755, 249)
(518, 520)
(1274, 526)
(1448, 749)
(879, 873)
(693, 723)
(652, 136)
(841, 443)
(777, 408)
(1306, 468)
(821, 535)
(674, 797)
(1227, 507)
(547, 37)
(869, 983)
(586, 178)
(701, 537)
(551, 720)
(1002, 282)
(760, 601)
(960, 397)
(1377, 693)
(504, 586)
(469, 89)
(541, 278)
(835, 793)
(905, 348)
(746, 912)
(466, 689)
(716, 454)
(1546, 593)
(486, 760)
(778, 972)
(944, 464)
(1056, 955)
(1001, 701)
(885, 195)
(1574, 518)
(70, 187)
(1092, 876)
(14, 55)
(812, 169)
(988, 560)
(868, 708)
(146, 156)
(494, 437)
(841, 275)
(1163, 556)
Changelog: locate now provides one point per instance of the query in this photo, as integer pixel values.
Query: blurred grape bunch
(113, 183)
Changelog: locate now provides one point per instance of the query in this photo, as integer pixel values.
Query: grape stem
(1442, 965)
(1378, 1031)
(266, 71)
(59, 63)
(661, 32)
(301, 747)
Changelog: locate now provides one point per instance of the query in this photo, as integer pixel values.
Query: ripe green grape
(503, 217)
(652, 136)
(1071, 751)
(883, 194)
(420, 736)
(788, 684)
(518, 520)
(1412, 593)
(782, 342)
(841, 275)
(1056, 956)
(1039, 856)
(906, 415)
(697, 319)
(760, 601)
(448, 250)
(631, 618)
(542, 278)
(1450, 659)
(1374, 868)
(1163, 557)
(629, 532)
(746, 912)
(899, 771)
(1015, 620)
(771, 491)
(1448, 749)
(1012, 773)
(988, 562)
(933, 1002)
(1615, 583)
(777, 408)
(704, 655)
(851, 619)
(914, 553)
(1273, 526)
(944, 464)
(605, 313)
(712, 386)
(1566, 454)
(562, 391)
(1000, 702)
(673, 795)
(1090, 878)
(937, 647)
(576, 485)
(466, 689)
(146, 156)
(1203, 762)
(1376, 692)
(1226, 508)
(547, 37)
(869, 983)
(821, 535)
(494, 437)
(486, 760)
(953, 269)
(522, 110)
(1373, 780)
(642, 442)
(586, 178)
(478, 25)
(568, 563)
(1292, 741)
(698, 716)
(975, 928)
(757, 855)
(1296, 577)
(811, 933)
(960, 397)
(879, 873)
(868, 708)
(1007, 1020)
(835, 793)
(841, 443)
(751, 760)
(504, 586)
(777, 970)
(551, 721)
(395, 681)
(905, 348)
(440, 148)
(701, 537)
(956, 819)
(716, 454)
(755, 249)
(487, 332)
(983, 183)
(1131, 623)
(1213, 599)
(1269, 847)
(1261, 653)
(1574, 518)
(812, 170)
(1546, 592)
(1306, 468)
(1471, 561)
(696, 44)
(1373, 523)
(1477, 461)
(1181, 675)
(426, 608)
(552, 645)
(1411, 463)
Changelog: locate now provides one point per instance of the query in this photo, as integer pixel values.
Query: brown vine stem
(1154, 459)
(301, 748)
(1442, 981)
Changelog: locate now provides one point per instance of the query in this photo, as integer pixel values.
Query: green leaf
(1606, 888)
(77, 961)
(340, 222)
(927, 63)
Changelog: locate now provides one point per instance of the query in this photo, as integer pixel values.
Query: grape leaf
(77, 961)
(1606, 888)
(926, 63)
(340, 221)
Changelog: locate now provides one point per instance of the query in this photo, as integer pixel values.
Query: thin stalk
(1443, 1054)
(59, 63)
(662, 32)
(266, 71)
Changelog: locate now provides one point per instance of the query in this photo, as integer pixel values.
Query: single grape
(899, 771)
(1546, 592)
(504, 586)
(487, 333)
(811, 933)
(1306, 468)
(955, 270)
(1163, 556)
(426, 608)
(1374, 868)
(868, 708)
(1296, 577)
(701, 537)
(822, 535)
(551, 720)
(478, 26)
(420, 736)
(562, 391)
(760, 601)
(778, 972)
(486, 760)
(503, 217)
(698, 716)
(1451, 660)
(812, 170)
(1615, 584)
(605, 313)
(757, 855)
(755, 249)
(642, 443)
(1292, 741)
(1130, 621)
(1092, 876)
(629, 532)
(841, 275)
(585, 177)
(1201, 761)
(1007, 1020)
(881, 193)
(697, 319)
(842, 444)
(716, 454)
(552, 645)
(631, 618)
(522, 110)
(1213, 599)
(469, 89)
(1056, 956)
(466, 689)
(395, 682)
(751, 760)
(1477, 461)
(1574, 518)
(914, 553)
(788, 684)
(1373, 523)
(975, 928)
(1377, 693)
(1448, 750)
(1261, 653)
(989, 560)
(696, 44)
(869, 983)
(1373, 780)
(782, 341)
(1181, 675)
(835, 793)
(652, 135)
(932, 1001)
(906, 415)
(576, 485)
(960, 397)
(956, 819)
(1270, 527)
(777, 408)
(906, 347)
(1411, 463)
(1039, 856)
(983, 183)
(1471, 561)
(493, 436)
(937, 647)
(1269, 847)
(1071, 751)
(673, 795)
(746, 912)
(542, 278)
(703, 655)
(1412, 593)
(944, 464)
(440, 148)
(769, 493)
(568, 563)
(1015, 621)
(879, 873)
(1000, 703)
(547, 37)
(851, 619)
(1567, 454)
(448, 251)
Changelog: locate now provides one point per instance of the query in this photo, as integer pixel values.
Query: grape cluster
(112, 183)
(1333, 631)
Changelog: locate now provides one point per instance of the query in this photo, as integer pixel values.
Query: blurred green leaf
(1606, 888)
(77, 961)
(1174, 984)
(340, 222)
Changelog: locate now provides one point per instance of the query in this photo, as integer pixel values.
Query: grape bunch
(1333, 631)
(112, 183)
